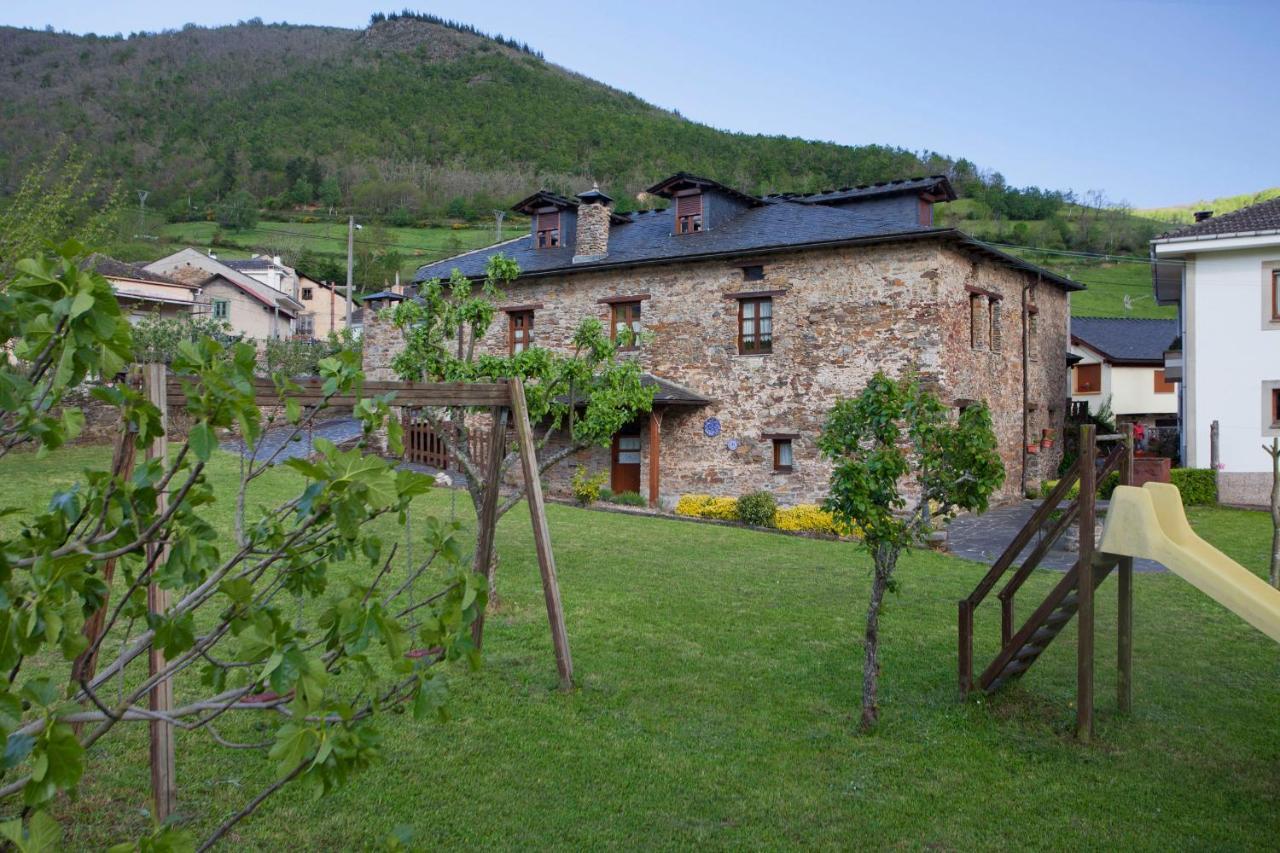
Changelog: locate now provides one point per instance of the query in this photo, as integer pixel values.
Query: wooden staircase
(1072, 597)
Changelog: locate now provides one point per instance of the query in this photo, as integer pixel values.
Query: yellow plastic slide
(1149, 522)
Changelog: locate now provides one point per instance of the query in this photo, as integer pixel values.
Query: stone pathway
(984, 537)
(337, 430)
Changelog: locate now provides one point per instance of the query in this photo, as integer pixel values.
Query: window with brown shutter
(782, 459)
(1163, 385)
(755, 325)
(519, 331)
(624, 329)
(548, 230)
(1088, 378)
(689, 213)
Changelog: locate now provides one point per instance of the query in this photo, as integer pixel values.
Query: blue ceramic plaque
(711, 427)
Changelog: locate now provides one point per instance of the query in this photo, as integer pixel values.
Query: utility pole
(351, 239)
(142, 211)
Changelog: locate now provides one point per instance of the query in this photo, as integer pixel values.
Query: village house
(142, 293)
(758, 313)
(1121, 368)
(255, 307)
(1223, 273)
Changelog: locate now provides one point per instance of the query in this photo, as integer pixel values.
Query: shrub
(758, 509)
(1105, 488)
(724, 509)
(692, 505)
(586, 486)
(811, 518)
(628, 499)
(1199, 486)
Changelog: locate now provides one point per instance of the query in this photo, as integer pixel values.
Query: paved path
(337, 430)
(984, 537)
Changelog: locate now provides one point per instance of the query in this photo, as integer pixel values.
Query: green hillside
(1185, 213)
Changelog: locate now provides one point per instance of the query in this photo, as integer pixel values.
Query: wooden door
(625, 471)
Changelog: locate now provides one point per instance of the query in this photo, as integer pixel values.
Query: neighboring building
(1122, 366)
(142, 293)
(760, 312)
(324, 308)
(1223, 273)
(251, 306)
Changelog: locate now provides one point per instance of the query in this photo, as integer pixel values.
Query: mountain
(412, 115)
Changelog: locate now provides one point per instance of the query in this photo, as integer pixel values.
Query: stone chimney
(592, 240)
(1202, 215)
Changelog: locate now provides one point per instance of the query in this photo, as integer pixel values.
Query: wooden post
(163, 782)
(1215, 447)
(1084, 584)
(488, 521)
(541, 534)
(655, 464)
(966, 648)
(1124, 616)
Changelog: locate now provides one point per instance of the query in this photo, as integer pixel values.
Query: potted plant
(1046, 438)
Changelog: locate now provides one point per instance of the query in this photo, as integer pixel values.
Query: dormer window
(548, 232)
(689, 212)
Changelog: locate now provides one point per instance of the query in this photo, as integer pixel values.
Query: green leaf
(82, 303)
(202, 440)
(72, 422)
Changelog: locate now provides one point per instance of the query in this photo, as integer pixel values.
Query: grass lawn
(717, 707)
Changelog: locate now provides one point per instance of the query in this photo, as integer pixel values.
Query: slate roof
(111, 268)
(666, 393)
(215, 268)
(251, 264)
(1262, 217)
(1125, 340)
(934, 183)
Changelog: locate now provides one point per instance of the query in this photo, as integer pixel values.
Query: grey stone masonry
(592, 243)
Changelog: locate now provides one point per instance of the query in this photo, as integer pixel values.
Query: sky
(1151, 101)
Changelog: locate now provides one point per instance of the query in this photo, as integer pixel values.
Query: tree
(894, 437)
(1274, 452)
(261, 625)
(587, 392)
(238, 211)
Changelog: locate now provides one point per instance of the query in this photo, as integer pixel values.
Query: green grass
(418, 245)
(1185, 213)
(717, 707)
(1107, 284)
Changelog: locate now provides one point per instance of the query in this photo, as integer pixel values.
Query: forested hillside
(410, 117)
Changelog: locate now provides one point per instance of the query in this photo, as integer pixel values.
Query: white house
(1223, 273)
(142, 293)
(1121, 364)
(251, 306)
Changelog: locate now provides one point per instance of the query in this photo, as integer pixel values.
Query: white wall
(1131, 389)
(1233, 350)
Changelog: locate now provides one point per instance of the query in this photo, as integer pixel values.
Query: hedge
(1198, 486)
(806, 518)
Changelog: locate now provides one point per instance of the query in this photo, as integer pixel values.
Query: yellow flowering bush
(692, 505)
(724, 509)
(811, 518)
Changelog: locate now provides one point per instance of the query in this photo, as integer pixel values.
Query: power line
(1092, 255)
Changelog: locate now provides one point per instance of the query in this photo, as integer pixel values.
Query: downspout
(1026, 378)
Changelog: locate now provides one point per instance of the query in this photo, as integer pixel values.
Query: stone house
(758, 313)
(142, 293)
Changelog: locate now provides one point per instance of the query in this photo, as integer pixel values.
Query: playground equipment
(1146, 522)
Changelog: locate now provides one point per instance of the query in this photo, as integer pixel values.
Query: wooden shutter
(689, 205)
(1088, 378)
(548, 221)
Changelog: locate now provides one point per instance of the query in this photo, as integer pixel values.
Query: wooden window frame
(778, 441)
(513, 326)
(1160, 385)
(617, 306)
(1275, 296)
(1075, 383)
(759, 349)
(1275, 408)
(307, 294)
(690, 222)
(547, 238)
(224, 304)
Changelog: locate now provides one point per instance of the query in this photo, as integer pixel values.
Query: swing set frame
(505, 400)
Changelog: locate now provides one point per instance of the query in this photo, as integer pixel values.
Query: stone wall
(839, 316)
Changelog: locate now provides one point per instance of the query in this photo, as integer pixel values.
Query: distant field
(1107, 285)
(418, 245)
